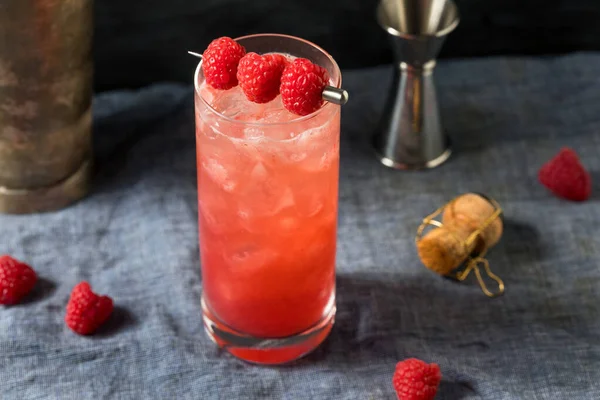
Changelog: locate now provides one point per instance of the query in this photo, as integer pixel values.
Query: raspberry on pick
(416, 380)
(302, 84)
(17, 279)
(259, 76)
(87, 311)
(220, 62)
(566, 177)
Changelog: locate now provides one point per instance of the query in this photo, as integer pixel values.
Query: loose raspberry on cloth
(17, 279)
(566, 177)
(416, 380)
(87, 311)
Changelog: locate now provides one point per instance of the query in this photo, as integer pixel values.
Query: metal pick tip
(335, 95)
(195, 54)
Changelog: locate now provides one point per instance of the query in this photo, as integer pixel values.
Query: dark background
(138, 42)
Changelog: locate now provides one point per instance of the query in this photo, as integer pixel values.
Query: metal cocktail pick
(331, 94)
(410, 135)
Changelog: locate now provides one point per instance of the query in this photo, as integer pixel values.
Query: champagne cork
(445, 248)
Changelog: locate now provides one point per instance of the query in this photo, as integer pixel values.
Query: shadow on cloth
(519, 247)
(595, 175)
(120, 320)
(43, 289)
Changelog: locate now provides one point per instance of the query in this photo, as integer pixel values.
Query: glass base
(267, 350)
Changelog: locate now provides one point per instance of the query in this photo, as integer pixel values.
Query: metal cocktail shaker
(46, 69)
(411, 135)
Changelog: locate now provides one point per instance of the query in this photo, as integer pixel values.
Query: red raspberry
(86, 311)
(566, 177)
(16, 280)
(416, 380)
(302, 84)
(259, 76)
(220, 63)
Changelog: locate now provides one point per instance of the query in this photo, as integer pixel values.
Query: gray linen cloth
(135, 238)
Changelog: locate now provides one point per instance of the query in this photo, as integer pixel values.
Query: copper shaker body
(46, 78)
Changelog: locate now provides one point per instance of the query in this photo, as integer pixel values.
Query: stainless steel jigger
(410, 135)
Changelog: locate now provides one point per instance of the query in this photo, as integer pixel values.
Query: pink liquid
(267, 212)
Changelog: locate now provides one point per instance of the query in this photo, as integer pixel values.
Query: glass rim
(325, 106)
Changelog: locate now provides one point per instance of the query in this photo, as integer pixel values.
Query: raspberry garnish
(566, 177)
(220, 62)
(86, 311)
(17, 279)
(259, 76)
(416, 380)
(302, 84)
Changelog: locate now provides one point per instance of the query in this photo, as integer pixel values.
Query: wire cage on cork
(456, 245)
